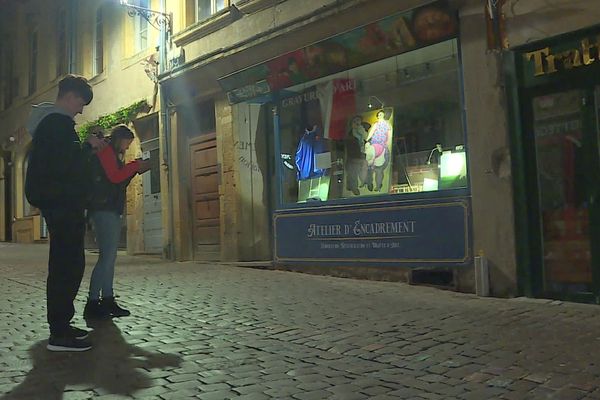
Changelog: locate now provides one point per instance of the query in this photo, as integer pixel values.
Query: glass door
(566, 152)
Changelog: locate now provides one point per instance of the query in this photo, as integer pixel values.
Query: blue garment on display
(310, 144)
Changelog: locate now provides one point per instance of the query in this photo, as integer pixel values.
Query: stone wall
(489, 157)
(531, 20)
(228, 186)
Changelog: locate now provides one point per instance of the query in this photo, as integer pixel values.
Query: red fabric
(343, 107)
(108, 159)
(569, 171)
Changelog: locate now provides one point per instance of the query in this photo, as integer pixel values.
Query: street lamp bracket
(157, 19)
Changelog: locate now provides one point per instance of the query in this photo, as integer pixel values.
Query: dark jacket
(58, 168)
(110, 177)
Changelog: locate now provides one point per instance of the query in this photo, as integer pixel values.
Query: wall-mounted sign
(549, 60)
(435, 233)
(390, 36)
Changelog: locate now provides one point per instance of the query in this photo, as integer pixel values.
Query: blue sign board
(409, 234)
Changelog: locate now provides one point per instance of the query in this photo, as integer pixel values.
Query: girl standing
(109, 182)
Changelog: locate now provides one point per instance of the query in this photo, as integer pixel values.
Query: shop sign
(387, 37)
(254, 90)
(548, 60)
(435, 233)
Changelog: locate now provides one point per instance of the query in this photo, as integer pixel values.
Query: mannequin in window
(311, 143)
(356, 164)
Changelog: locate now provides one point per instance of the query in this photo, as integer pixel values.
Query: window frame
(33, 60)
(282, 203)
(4, 78)
(141, 27)
(213, 9)
(61, 43)
(9, 88)
(28, 209)
(98, 46)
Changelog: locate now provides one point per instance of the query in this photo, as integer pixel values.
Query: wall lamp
(8, 143)
(371, 98)
(437, 147)
(157, 19)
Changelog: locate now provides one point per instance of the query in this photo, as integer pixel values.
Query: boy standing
(57, 183)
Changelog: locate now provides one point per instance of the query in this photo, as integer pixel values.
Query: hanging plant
(123, 115)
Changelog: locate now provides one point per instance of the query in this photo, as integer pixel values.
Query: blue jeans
(107, 226)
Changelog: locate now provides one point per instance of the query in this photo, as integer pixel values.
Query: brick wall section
(229, 178)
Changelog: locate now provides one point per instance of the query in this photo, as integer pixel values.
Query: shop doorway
(147, 131)
(563, 136)
(204, 175)
(152, 200)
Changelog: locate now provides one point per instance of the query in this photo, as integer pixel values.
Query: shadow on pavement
(113, 366)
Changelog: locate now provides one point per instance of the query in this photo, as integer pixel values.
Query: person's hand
(143, 166)
(97, 143)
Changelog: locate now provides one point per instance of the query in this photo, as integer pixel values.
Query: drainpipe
(166, 124)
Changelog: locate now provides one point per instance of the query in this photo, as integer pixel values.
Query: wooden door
(205, 197)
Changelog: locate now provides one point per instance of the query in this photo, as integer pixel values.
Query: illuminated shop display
(367, 140)
(389, 127)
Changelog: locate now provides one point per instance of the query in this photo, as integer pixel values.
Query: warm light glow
(313, 189)
(453, 165)
(430, 184)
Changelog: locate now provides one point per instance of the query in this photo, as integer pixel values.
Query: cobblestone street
(221, 332)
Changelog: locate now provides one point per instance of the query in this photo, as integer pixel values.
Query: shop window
(389, 127)
(198, 119)
(147, 130)
(98, 62)
(154, 171)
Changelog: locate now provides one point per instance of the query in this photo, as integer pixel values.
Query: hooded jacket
(58, 170)
(41, 111)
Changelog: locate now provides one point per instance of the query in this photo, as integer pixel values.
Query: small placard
(323, 160)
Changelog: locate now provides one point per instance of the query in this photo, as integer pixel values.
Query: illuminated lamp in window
(453, 170)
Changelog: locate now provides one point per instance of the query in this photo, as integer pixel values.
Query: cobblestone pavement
(220, 332)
